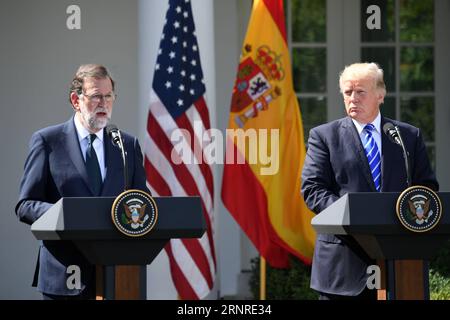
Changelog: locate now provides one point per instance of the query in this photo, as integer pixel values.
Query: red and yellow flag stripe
(268, 207)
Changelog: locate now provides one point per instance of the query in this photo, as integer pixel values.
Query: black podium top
(370, 217)
(87, 222)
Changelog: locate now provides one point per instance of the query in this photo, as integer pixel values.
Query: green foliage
(293, 283)
(417, 69)
(413, 29)
(286, 284)
(440, 274)
(309, 69)
(417, 111)
(313, 112)
(441, 262)
(439, 286)
(309, 20)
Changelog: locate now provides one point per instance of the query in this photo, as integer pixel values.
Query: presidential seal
(134, 213)
(419, 209)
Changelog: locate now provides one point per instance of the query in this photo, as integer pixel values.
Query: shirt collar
(376, 123)
(82, 132)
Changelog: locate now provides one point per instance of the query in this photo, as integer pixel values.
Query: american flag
(177, 102)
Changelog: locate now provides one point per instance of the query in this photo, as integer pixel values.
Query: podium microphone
(393, 133)
(116, 139)
(114, 133)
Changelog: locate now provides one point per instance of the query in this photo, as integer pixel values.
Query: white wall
(38, 57)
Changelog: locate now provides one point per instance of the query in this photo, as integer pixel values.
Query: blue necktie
(373, 155)
(92, 166)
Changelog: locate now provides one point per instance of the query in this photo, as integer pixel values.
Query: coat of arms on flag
(268, 207)
(257, 82)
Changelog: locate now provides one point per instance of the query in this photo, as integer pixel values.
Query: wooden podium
(402, 255)
(120, 260)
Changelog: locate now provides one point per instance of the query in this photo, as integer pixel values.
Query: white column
(151, 20)
(231, 19)
(151, 15)
(442, 104)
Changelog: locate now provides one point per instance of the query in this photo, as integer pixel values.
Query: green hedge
(293, 283)
(283, 284)
(440, 274)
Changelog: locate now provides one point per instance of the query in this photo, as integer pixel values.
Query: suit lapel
(73, 149)
(351, 135)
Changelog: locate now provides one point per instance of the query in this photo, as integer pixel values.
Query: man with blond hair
(352, 154)
(75, 159)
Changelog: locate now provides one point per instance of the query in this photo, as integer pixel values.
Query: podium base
(123, 282)
(404, 280)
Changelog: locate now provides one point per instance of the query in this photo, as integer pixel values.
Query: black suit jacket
(336, 164)
(54, 169)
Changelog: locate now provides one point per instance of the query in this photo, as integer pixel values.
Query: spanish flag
(265, 147)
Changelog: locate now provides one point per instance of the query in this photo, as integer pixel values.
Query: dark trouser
(87, 294)
(46, 296)
(366, 294)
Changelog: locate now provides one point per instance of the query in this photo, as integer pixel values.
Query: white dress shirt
(83, 138)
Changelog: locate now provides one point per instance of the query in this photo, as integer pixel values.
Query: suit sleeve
(139, 178)
(33, 199)
(422, 173)
(317, 175)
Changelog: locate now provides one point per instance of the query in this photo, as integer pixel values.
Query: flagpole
(262, 278)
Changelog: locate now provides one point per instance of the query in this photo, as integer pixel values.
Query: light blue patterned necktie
(373, 155)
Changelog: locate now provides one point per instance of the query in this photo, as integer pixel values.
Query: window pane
(386, 33)
(313, 112)
(388, 108)
(309, 21)
(431, 151)
(416, 20)
(417, 69)
(309, 69)
(385, 57)
(419, 112)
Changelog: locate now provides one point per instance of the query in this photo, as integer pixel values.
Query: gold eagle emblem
(135, 214)
(420, 210)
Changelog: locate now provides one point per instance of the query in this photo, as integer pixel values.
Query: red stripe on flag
(184, 123)
(182, 173)
(165, 145)
(195, 250)
(202, 109)
(210, 235)
(246, 200)
(155, 179)
(185, 179)
(275, 7)
(179, 280)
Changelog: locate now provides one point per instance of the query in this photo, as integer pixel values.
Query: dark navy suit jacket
(55, 168)
(336, 164)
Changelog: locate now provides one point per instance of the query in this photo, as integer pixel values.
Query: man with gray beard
(75, 159)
